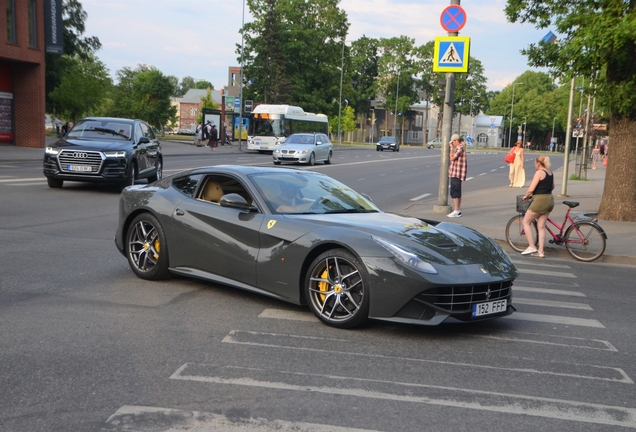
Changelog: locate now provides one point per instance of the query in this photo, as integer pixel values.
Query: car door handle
(179, 212)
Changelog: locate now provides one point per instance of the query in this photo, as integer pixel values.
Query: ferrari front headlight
(406, 257)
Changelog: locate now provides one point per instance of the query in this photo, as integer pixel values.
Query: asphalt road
(85, 345)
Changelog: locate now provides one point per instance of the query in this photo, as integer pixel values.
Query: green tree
(144, 93)
(208, 102)
(84, 85)
(293, 52)
(535, 99)
(595, 37)
(75, 46)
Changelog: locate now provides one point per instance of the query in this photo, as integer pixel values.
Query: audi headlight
(115, 154)
(406, 257)
(52, 150)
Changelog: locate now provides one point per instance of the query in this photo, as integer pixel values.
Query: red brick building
(22, 67)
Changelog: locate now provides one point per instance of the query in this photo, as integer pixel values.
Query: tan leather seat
(212, 191)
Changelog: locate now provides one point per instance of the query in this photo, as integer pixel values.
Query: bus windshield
(266, 125)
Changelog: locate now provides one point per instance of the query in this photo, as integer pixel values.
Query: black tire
(328, 161)
(377, 149)
(336, 289)
(397, 148)
(131, 177)
(587, 246)
(430, 147)
(158, 172)
(515, 235)
(146, 248)
(54, 183)
(276, 162)
(312, 159)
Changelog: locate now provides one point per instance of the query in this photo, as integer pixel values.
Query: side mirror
(143, 140)
(236, 201)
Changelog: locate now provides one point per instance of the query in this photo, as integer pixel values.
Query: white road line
(549, 291)
(138, 418)
(493, 170)
(550, 303)
(601, 345)
(560, 409)
(16, 180)
(288, 315)
(554, 319)
(621, 376)
(481, 174)
(33, 183)
(417, 198)
(537, 264)
(469, 178)
(547, 273)
(502, 167)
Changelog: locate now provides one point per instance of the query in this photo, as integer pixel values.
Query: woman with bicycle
(540, 191)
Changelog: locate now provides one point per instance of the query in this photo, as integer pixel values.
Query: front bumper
(106, 170)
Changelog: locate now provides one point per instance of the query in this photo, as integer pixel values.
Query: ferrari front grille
(459, 298)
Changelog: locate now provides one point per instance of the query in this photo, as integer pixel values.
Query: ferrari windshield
(307, 193)
(100, 129)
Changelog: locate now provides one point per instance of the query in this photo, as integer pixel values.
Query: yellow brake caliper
(323, 286)
(157, 248)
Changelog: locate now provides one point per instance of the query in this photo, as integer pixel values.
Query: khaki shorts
(541, 204)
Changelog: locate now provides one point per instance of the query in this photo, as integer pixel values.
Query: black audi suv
(109, 150)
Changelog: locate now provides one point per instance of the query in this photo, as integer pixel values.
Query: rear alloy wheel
(328, 161)
(54, 183)
(158, 172)
(336, 289)
(146, 248)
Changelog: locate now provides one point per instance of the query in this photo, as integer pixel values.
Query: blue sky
(198, 38)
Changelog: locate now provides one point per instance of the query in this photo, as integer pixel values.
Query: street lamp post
(512, 104)
(525, 127)
(397, 93)
(240, 125)
(340, 98)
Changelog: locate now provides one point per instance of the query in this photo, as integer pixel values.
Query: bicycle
(584, 238)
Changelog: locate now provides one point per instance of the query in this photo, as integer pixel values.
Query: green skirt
(541, 204)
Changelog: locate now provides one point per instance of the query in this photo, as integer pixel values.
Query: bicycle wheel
(585, 241)
(516, 236)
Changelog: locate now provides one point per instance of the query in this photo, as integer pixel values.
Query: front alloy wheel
(336, 289)
(146, 248)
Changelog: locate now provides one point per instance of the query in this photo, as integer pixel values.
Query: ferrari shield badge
(271, 223)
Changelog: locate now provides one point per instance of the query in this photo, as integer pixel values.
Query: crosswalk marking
(15, 180)
(548, 291)
(554, 319)
(137, 418)
(547, 273)
(416, 393)
(550, 303)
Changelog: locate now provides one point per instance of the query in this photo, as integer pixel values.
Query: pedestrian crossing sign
(451, 54)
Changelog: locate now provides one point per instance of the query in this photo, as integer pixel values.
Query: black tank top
(544, 186)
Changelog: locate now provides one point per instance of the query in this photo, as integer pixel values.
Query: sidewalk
(488, 211)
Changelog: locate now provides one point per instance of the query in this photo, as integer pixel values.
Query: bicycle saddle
(571, 204)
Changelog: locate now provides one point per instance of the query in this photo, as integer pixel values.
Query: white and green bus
(270, 125)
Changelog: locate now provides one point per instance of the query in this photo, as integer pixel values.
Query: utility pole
(566, 150)
(447, 126)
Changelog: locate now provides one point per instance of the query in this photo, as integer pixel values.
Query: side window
(138, 132)
(215, 186)
(147, 131)
(187, 185)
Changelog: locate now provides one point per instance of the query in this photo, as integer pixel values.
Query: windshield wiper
(350, 211)
(110, 131)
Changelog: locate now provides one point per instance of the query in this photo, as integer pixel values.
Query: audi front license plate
(488, 308)
(87, 168)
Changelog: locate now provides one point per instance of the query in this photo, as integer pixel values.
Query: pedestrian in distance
(58, 127)
(214, 138)
(517, 174)
(198, 136)
(595, 155)
(206, 131)
(540, 190)
(457, 173)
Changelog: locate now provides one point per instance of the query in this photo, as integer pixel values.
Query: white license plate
(488, 308)
(86, 168)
